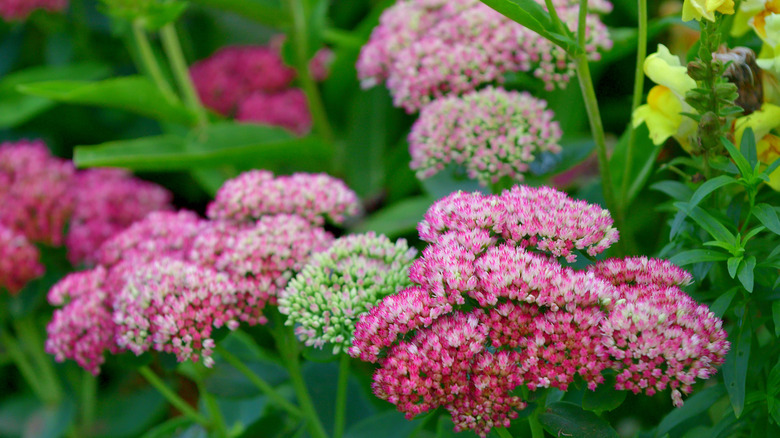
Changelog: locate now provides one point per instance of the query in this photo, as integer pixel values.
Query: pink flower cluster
(493, 133)
(254, 84)
(18, 260)
(166, 282)
(43, 195)
(425, 49)
(492, 309)
(257, 193)
(11, 10)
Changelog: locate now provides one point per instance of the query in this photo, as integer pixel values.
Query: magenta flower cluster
(42, 196)
(492, 309)
(11, 10)
(492, 133)
(168, 281)
(426, 49)
(253, 84)
(18, 260)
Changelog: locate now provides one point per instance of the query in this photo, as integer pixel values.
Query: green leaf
(776, 316)
(531, 15)
(50, 421)
(768, 216)
(708, 223)
(605, 397)
(708, 187)
(739, 160)
(445, 429)
(722, 303)
(736, 366)
(17, 108)
(170, 428)
(135, 94)
(748, 146)
(397, 219)
(561, 418)
(675, 189)
(773, 383)
(321, 380)
(771, 168)
(698, 256)
(267, 12)
(217, 145)
(645, 154)
(695, 405)
(745, 273)
(388, 424)
(733, 265)
(130, 414)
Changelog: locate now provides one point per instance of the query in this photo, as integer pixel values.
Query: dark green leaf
(773, 383)
(776, 316)
(733, 265)
(321, 380)
(708, 223)
(605, 397)
(722, 303)
(268, 12)
(736, 366)
(130, 414)
(771, 168)
(531, 15)
(698, 256)
(642, 162)
(745, 273)
(388, 424)
(675, 189)
(561, 418)
(445, 429)
(573, 153)
(768, 216)
(695, 405)
(708, 187)
(132, 93)
(739, 160)
(170, 428)
(397, 219)
(748, 147)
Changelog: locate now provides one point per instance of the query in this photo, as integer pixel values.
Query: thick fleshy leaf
(561, 418)
(699, 402)
(605, 397)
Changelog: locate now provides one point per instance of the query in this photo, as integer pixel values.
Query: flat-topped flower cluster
(11, 10)
(170, 280)
(46, 201)
(492, 308)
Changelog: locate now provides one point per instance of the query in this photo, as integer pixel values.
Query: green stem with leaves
(341, 396)
(172, 47)
(173, 398)
(149, 61)
(27, 331)
(261, 384)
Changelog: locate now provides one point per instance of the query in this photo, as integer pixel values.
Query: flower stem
(149, 61)
(341, 396)
(22, 364)
(173, 398)
(288, 348)
(28, 335)
(503, 433)
(88, 396)
(217, 420)
(299, 39)
(261, 384)
(639, 81)
(172, 47)
(537, 431)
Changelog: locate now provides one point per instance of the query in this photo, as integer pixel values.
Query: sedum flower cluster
(424, 49)
(338, 285)
(253, 84)
(46, 201)
(12, 10)
(168, 281)
(492, 309)
(492, 133)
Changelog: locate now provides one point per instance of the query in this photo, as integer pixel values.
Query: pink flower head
(261, 258)
(641, 270)
(426, 49)
(106, 202)
(18, 261)
(172, 306)
(230, 74)
(256, 193)
(539, 217)
(12, 10)
(35, 191)
(492, 133)
(160, 234)
(287, 109)
(83, 329)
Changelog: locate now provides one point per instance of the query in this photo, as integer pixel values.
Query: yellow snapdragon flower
(666, 101)
(698, 9)
(767, 144)
(763, 16)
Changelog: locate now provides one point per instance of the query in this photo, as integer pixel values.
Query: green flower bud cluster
(327, 297)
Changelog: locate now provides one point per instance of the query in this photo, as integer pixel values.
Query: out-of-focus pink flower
(106, 202)
(11, 10)
(492, 133)
(18, 261)
(256, 193)
(35, 191)
(426, 49)
(287, 109)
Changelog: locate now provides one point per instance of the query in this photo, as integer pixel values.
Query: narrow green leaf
(768, 216)
(773, 383)
(742, 163)
(675, 189)
(776, 316)
(698, 256)
(710, 186)
(699, 402)
(736, 366)
(722, 303)
(132, 93)
(771, 168)
(708, 223)
(561, 418)
(733, 264)
(745, 273)
(170, 428)
(748, 146)
(531, 15)
(397, 219)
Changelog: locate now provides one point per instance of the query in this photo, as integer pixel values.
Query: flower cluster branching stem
(172, 47)
(172, 397)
